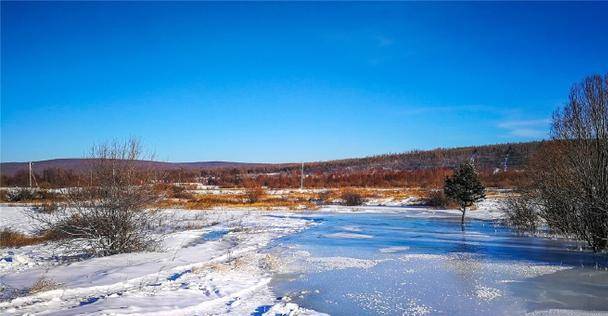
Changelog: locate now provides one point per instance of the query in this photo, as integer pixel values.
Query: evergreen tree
(464, 187)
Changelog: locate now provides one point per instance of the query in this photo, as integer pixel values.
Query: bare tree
(569, 177)
(114, 212)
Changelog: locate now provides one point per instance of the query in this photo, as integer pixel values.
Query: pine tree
(464, 187)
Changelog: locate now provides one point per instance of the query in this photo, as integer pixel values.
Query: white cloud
(537, 128)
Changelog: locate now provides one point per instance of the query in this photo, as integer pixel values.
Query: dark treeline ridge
(499, 165)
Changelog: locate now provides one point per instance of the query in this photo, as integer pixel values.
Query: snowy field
(216, 268)
(368, 260)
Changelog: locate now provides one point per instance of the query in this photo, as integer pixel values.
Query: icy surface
(416, 262)
(369, 260)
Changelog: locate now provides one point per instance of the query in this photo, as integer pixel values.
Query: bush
(352, 198)
(46, 207)
(42, 284)
(437, 199)
(568, 185)
(111, 214)
(521, 213)
(323, 197)
(4, 196)
(179, 192)
(253, 195)
(26, 194)
(20, 195)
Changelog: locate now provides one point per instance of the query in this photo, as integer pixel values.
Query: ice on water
(412, 265)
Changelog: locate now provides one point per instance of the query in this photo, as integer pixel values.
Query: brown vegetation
(14, 239)
(254, 194)
(111, 213)
(352, 198)
(28, 195)
(42, 284)
(498, 165)
(568, 184)
(437, 199)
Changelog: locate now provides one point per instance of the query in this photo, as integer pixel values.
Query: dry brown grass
(13, 239)
(368, 193)
(293, 199)
(42, 284)
(254, 194)
(204, 201)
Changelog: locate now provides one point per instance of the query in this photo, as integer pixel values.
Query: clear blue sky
(274, 82)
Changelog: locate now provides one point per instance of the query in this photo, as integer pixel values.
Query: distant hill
(510, 155)
(79, 165)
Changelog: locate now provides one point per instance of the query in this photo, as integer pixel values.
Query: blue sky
(276, 82)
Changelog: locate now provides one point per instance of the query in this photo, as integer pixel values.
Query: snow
(214, 262)
(487, 293)
(389, 201)
(16, 219)
(335, 263)
(189, 275)
(394, 249)
(489, 210)
(348, 235)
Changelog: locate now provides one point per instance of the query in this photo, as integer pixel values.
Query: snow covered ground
(222, 262)
(486, 210)
(216, 268)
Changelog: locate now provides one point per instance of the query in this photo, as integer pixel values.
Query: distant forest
(500, 165)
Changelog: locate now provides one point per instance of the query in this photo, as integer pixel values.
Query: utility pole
(30, 174)
(302, 177)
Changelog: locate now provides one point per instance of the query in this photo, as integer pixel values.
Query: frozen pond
(406, 263)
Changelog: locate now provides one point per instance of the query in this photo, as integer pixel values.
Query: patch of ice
(351, 228)
(566, 312)
(416, 309)
(487, 293)
(348, 235)
(394, 249)
(331, 263)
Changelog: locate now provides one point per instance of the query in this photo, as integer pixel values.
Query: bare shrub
(46, 207)
(437, 199)
(20, 195)
(323, 197)
(569, 175)
(27, 194)
(4, 195)
(252, 195)
(521, 213)
(112, 212)
(352, 198)
(42, 284)
(174, 191)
